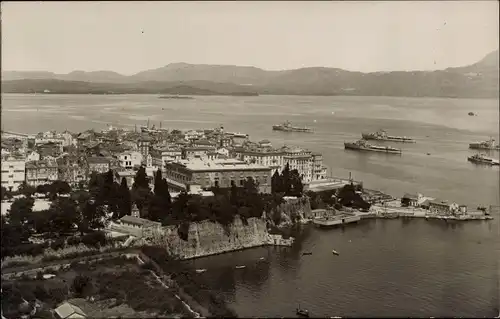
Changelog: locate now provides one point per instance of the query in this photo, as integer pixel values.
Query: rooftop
(220, 164)
(67, 310)
(41, 164)
(98, 160)
(138, 221)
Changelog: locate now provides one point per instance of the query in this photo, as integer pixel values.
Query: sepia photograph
(252, 159)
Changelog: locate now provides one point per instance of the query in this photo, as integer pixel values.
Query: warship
(482, 159)
(362, 145)
(287, 127)
(485, 145)
(381, 135)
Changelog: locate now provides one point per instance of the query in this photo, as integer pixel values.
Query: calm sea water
(386, 268)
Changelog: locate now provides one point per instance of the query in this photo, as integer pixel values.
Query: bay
(386, 267)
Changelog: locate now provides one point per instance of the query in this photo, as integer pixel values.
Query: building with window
(218, 173)
(130, 159)
(41, 172)
(13, 173)
(98, 164)
(192, 152)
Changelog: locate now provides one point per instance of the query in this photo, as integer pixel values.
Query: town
(157, 196)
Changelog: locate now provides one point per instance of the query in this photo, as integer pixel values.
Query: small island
(179, 97)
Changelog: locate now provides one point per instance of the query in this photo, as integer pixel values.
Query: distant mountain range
(479, 80)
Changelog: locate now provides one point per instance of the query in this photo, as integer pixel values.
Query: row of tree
(289, 182)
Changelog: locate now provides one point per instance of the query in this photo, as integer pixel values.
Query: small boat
(335, 252)
(302, 312)
(428, 153)
(240, 267)
(471, 114)
(307, 253)
(262, 258)
(200, 271)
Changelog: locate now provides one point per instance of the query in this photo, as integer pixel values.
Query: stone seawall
(209, 238)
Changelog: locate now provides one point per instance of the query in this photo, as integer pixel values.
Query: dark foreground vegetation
(185, 277)
(111, 283)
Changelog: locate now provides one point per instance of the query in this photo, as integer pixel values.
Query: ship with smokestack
(363, 145)
(152, 129)
(288, 127)
(485, 145)
(381, 135)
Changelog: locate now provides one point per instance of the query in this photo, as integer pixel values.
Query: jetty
(331, 218)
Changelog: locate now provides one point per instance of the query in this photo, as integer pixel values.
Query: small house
(69, 311)
(409, 200)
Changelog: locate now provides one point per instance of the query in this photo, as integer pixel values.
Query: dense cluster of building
(206, 158)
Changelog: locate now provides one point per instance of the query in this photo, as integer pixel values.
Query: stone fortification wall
(208, 238)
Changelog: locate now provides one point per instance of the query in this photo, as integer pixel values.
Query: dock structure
(331, 183)
(330, 219)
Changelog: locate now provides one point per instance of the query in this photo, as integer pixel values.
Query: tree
(26, 189)
(12, 236)
(41, 221)
(80, 284)
(285, 178)
(141, 193)
(91, 214)
(158, 183)
(124, 200)
(141, 179)
(21, 210)
(65, 215)
(349, 198)
(60, 187)
(276, 183)
(5, 193)
(296, 187)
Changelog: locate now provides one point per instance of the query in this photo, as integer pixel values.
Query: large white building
(13, 173)
(130, 159)
(308, 164)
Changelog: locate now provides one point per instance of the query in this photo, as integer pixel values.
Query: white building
(67, 138)
(13, 173)
(130, 159)
(33, 156)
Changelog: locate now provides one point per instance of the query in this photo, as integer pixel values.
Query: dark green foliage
(289, 182)
(349, 198)
(58, 243)
(80, 284)
(5, 193)
(161, 202)
(26, 189)
(124, 200)
(191, 284)
(94, 239)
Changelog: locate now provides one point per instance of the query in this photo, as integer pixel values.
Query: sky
(129, 37)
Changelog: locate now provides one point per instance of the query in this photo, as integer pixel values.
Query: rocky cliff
(294, 209)
(208, 238)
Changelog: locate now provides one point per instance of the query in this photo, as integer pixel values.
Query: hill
(54, 86)
(478, 80)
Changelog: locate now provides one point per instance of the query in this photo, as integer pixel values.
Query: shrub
(80, 283)
(58, 244)
(94, 239)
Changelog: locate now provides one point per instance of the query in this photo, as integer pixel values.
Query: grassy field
(113, 287)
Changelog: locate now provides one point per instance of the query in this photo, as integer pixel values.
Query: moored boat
(381, 135)
(485, 145)
(362, 145)
(240, 267)
(482, 159)
(200, 271)
(288, 127)
(302, 312)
